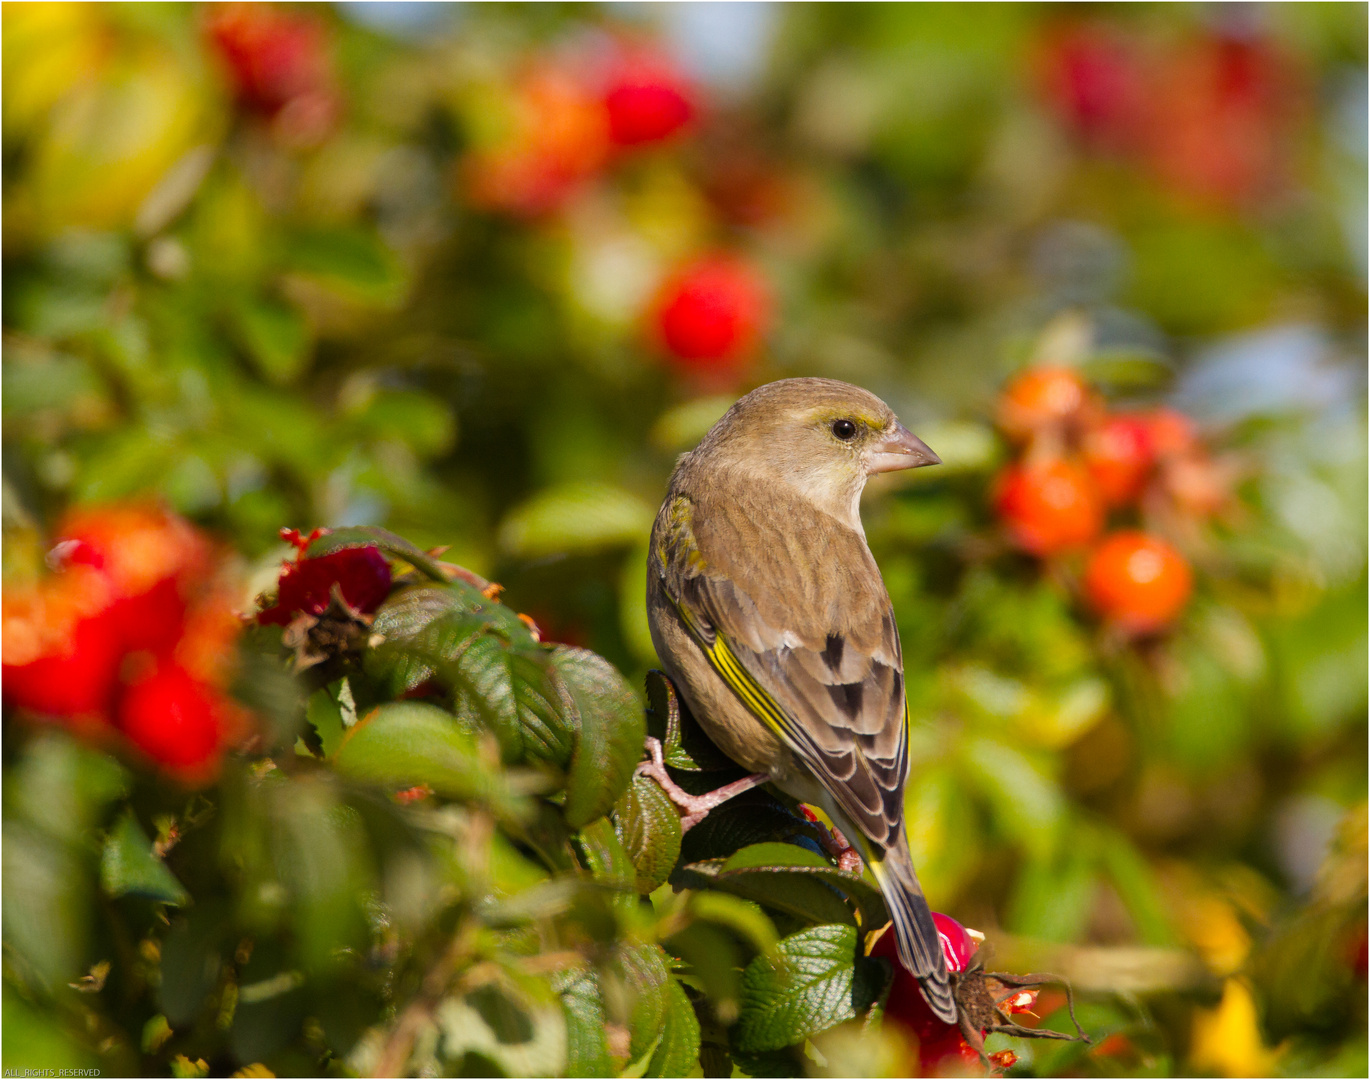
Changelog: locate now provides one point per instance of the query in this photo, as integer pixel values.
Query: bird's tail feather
(920, 946)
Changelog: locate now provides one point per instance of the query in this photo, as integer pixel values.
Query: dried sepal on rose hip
(982, 1006)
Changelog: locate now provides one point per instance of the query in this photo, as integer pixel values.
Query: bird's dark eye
(844, 429)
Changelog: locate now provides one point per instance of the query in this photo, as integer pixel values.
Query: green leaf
(128, 865)
(405, 743)
(275, 336)
(602, 854)
(634, 985)
(352, 262)
(62, 786)
(575, 518)
(782, 861)
(713, 960)
(804, 897)
(744, 917)
(1137, 887)
(818, 980)
(683, 742)
(677, 1052)
(1028, 806)
(609, 732)
(331, 711)
(46, 911)
(587, 1049)
(754, 817)
(396, 547)
(648, 826)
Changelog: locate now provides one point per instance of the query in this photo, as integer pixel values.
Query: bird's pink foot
(696, 807)
(835, 844)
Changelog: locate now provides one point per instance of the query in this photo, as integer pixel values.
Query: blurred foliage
(336, 297)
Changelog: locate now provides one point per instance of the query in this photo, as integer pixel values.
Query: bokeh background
(478, 273)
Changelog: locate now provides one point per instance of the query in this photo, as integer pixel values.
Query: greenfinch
(769, 614)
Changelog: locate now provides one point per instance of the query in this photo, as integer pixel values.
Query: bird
(770, 616)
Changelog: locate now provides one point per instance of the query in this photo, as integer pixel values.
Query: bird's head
(821, 437)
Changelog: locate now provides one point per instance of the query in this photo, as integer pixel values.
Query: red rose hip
(1050, 506)
(1137, 581)
(173, 718)
(711, 314)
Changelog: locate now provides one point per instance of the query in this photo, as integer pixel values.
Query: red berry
(150, 560)
(1118, 456)
(957, 945)
(711, 313)
(1039, 398)
(1095, 79)
(906, 1004)
(75, 679)
(647, 101)
(274, 58)
(362, 574)
(1049, 506)
(173, 718)
(1137, 581)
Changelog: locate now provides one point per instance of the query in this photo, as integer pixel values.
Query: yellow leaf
(1227, 1040)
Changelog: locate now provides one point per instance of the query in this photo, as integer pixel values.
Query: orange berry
(1137, 581)
(1171, 432)
(1118, 456)
(1049, 507)
(1039, 398)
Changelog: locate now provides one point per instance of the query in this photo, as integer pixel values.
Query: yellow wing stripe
(722, 659)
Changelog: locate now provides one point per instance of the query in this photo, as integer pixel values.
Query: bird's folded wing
(825, 675)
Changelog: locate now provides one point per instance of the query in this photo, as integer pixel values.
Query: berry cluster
(565, 121)
(1077, 464)
(133, 634)
(1210, 117)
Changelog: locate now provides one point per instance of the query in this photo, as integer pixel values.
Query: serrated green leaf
(609, 731)
(634, 987)
(396, 547)
(683, 742)
(648, 826)
(405, 743)
(754, 817)
(129, 866)
(817, 980)
(801, 896)
(677, 1052)
(788, 860)
(587, 1049)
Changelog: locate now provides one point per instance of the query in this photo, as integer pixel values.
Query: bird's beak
(899, 449)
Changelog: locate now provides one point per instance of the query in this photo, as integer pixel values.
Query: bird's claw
(696, 807)
(835, 844)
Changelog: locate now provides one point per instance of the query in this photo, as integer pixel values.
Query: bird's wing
(793, 615)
